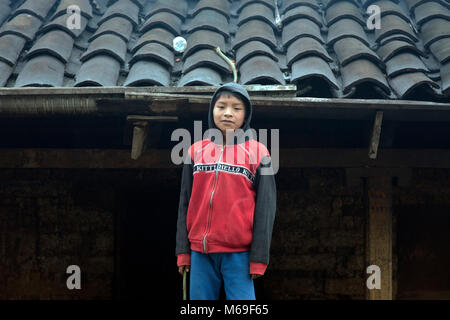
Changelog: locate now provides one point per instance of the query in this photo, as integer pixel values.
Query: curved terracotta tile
(306, 46)
(84, 5)
(260, 69)
(366, 3)
(393, 24)
(303, 12)
(176, 7)
(165, 20)
(344, 10)
(37, 8)
(311, 67)
(329, 3)
(118, 26)
(362, 71)
(201, 76)
(5, 73)
(123, 8)
(430, 10)
(251, 49)
(60, 23)
(102, 70)
(11, 46)
(158, 35)
(257, 11)
(204, 39)
(441, 50)
(220, 6)
(56, 43)
(208, 19)
(156, 52)
(147, 73)
(290, 4)
(205, 58)
(244, 3)
(405, 63)
(391, 8)
(349, 49)
(391, 48)
(5, 11)
(406, 83)
(445, 78)
(24, 25)
(435, 29)
(412, 4)
(106, 44)
(346, 28)
(255, 30)
(41, 71)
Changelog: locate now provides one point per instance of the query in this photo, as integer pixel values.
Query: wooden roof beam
(141, 125)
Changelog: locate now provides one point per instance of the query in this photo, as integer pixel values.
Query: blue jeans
(209, 270)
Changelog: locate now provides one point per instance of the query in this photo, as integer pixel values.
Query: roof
(327, 48)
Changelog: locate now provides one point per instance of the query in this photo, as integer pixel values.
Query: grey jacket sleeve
(265, 208)
(182, 241)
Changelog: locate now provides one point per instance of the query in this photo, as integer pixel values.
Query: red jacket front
(222, 203)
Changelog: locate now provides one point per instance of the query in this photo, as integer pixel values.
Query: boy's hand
(255, 276)
(181, 269)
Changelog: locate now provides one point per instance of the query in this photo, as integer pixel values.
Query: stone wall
(318, 239)
(50, 219)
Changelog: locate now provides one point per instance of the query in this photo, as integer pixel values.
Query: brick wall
(50, 219)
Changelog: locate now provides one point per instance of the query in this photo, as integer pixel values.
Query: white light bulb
(179, 44)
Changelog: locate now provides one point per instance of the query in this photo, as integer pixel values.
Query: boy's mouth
(227, 121)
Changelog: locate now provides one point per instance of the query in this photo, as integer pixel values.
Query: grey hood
(237, 88)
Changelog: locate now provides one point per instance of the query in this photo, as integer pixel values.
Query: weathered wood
(379, 234)
(154, 126)
(156, 89)
(120, 100)
(151, 118)
(375, 136)
(289, 158)
(140, 134)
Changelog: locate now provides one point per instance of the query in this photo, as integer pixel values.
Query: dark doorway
(146, 227)
(423, 252)
(147, 212)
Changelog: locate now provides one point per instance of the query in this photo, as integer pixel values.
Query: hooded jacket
(226, 204)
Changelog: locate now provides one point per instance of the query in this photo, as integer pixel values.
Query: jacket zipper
(210, 201)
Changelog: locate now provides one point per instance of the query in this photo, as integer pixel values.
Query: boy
(227, 206)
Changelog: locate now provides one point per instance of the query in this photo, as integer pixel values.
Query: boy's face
(228, 113)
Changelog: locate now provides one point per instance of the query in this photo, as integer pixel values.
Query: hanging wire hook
(229, 62)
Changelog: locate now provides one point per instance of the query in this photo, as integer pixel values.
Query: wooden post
(140, 125)
(140, 134)
(379, 234)
(375, 136)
